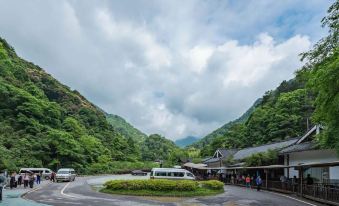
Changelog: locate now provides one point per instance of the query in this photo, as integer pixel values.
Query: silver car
(65, 174)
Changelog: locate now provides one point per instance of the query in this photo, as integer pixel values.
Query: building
(306, 151)
(219, 157)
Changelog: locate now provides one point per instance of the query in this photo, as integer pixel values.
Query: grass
(198, 192)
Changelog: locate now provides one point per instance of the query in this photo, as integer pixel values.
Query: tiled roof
(211, 160)
(299, 147)
(241, 154)
(227, 152)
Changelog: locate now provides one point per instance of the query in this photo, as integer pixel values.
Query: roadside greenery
(164, 187)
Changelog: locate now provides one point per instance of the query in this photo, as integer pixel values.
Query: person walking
(248, 181)
(53, 177)
(26, 180)
(12, 181)
(31, 180)
(258, 182)
(38, 178)
(20, 180)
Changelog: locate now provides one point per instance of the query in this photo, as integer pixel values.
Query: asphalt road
(81, 192)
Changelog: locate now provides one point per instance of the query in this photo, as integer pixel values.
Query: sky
(177, 68)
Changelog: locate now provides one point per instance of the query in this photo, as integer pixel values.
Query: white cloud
(170, 67)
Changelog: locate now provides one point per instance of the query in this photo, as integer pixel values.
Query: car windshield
(63, 172)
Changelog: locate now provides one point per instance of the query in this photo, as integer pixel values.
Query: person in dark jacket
(258, 181)
(38, 178)
(12, 180)
(31, 180)
(20, 180)
(309, 180)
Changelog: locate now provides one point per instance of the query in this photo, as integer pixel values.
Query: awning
(318, 164)
(196, 166)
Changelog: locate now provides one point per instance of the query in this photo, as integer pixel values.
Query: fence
(328, 193)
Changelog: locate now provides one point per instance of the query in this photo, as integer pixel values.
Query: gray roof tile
(241, 154)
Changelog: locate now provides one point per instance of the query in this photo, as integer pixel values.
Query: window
(189, 174)
(47, 171)
(178, 174)
(152, 173)
(161, 174)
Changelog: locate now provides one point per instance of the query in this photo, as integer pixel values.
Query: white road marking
(63, 189)
(292, 198)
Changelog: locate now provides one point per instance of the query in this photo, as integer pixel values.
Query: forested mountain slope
(186, 141)
(125, 128)
(223, 130)
(279, 114)
(45, 123)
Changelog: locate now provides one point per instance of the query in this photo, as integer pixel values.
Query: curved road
(81, 192)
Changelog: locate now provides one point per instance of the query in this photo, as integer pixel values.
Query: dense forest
(43, 123)
(312, 97)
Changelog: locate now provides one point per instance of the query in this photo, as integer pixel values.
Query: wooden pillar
(288, 164)
(266, 178)
(301, 177)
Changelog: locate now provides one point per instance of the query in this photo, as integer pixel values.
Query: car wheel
(46, 178)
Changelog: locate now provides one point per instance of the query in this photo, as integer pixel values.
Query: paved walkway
(13, 197)
(80, 192)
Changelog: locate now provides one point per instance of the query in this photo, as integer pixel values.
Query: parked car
(45, 172)
(171, 173)
(65, 174)
(139, 172)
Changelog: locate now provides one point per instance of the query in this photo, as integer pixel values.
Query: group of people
(27, 180)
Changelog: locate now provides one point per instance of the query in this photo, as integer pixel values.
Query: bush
(154, 185)
(212, 184)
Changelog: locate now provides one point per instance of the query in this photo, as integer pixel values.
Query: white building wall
(313, 156)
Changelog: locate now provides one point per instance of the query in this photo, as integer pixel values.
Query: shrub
(212, 184)
(154, 185)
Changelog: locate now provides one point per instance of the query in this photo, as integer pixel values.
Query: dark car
(139, 172)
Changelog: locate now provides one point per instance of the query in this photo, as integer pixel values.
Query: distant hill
(223, 129)
(186, 141)
(125, 128)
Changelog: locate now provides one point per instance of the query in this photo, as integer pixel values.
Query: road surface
(81, 192)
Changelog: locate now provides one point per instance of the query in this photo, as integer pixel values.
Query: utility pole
(308, 124)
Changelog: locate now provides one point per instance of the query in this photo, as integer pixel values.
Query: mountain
(125, 128)
(186, 141)
(223, 129)
(44, 123)
(280, 114)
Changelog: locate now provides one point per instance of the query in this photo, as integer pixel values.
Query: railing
(326, 192)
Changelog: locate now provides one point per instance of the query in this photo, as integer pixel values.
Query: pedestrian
(26, 180)
(232, 180)
(12, 181)
(309, 180)
(248, 181)
(53, 177)
(294, 183)
(38, 178)
(20, 180)
(259, 182)
(31, 180)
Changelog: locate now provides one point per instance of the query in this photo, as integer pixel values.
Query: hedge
(154, 185)
(212, 184)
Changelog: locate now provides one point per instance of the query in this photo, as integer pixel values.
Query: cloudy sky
(172, 67)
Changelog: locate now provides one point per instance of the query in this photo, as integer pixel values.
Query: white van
(45, 172)
(171, 174)
(65, 174)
